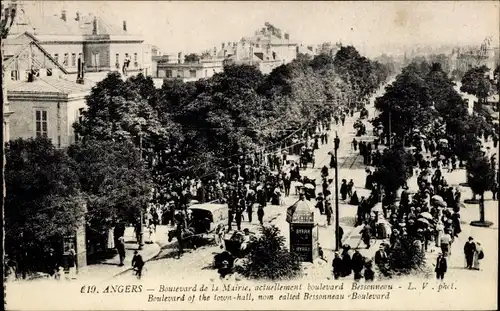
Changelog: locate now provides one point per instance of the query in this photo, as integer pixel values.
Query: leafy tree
(270, 259)
(43, 202)
(496, 77)
(407, 103)
(480, 178)
(405, 257)
(115, 180)
(476, 82)
(393, 171)
(321, 61)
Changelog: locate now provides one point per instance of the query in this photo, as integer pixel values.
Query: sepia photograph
(250, 155)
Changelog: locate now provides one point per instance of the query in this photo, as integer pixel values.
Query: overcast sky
(370, 26)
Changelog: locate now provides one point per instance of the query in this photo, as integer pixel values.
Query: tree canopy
(43, 198)
(198, 127)
(476, 82)
(115, 180)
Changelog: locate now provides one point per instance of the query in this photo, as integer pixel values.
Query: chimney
(125, 26)
(94, 26)
(79, 78)
(287, 36)
(63, 15)
(77, 18)
(181, 57)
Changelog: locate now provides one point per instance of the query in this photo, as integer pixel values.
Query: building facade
(43, 99)
(174, 66)
(102, 46)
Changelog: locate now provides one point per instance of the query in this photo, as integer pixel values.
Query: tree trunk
(481, 208)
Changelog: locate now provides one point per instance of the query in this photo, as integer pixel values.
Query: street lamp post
(337, 226)
(390, 128)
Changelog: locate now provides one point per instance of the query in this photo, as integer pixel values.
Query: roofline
(45, 96)
(35, 42)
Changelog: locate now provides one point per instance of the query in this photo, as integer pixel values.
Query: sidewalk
(109, 268)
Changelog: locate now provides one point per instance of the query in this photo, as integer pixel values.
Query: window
(192, 73)
(206, 73)
(41, 123)
(117, 61)
(136, 64)
(80, 114)
(56, 57)
(14, 75)
(73, 60)
(66, 59)
(168, 73)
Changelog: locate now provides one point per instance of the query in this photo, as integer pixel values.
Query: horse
(184, 238)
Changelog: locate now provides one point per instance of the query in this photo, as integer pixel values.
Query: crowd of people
(428, 218)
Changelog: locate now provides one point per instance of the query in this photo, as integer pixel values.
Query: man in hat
(441, 266)
(137, 264)
(337, 266)
(469, 250)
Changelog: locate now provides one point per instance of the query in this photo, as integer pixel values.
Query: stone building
(43, 99)
(101, 45)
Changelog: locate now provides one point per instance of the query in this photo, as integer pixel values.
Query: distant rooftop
(76, 25)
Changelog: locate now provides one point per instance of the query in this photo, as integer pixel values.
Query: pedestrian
(320, 203)
(343, 189)
(494, 189)
(71, 255)
(120, 247)
(238, 216)
(445, 243)
(337, 266)
(369, 274)
(333, 161)
(350, 187)
(328, 211)
(478, 256)
(358, 262)
(355, 144)
(137, 264)
(441, 266)
(346, 261)
(469, 251)
(52, 263)
(260, 214)
(366, 234)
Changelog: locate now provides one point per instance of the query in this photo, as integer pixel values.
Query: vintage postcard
(301, 155)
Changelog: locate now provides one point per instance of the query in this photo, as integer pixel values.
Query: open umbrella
(424, 221)
(194, 202)
(443, 141)
(309, 186)
(426, 215)
(437, 198)
(298, 184)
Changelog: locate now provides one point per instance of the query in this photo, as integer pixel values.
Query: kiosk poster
(250, 155)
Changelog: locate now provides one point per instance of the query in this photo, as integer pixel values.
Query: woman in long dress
(476, 263)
